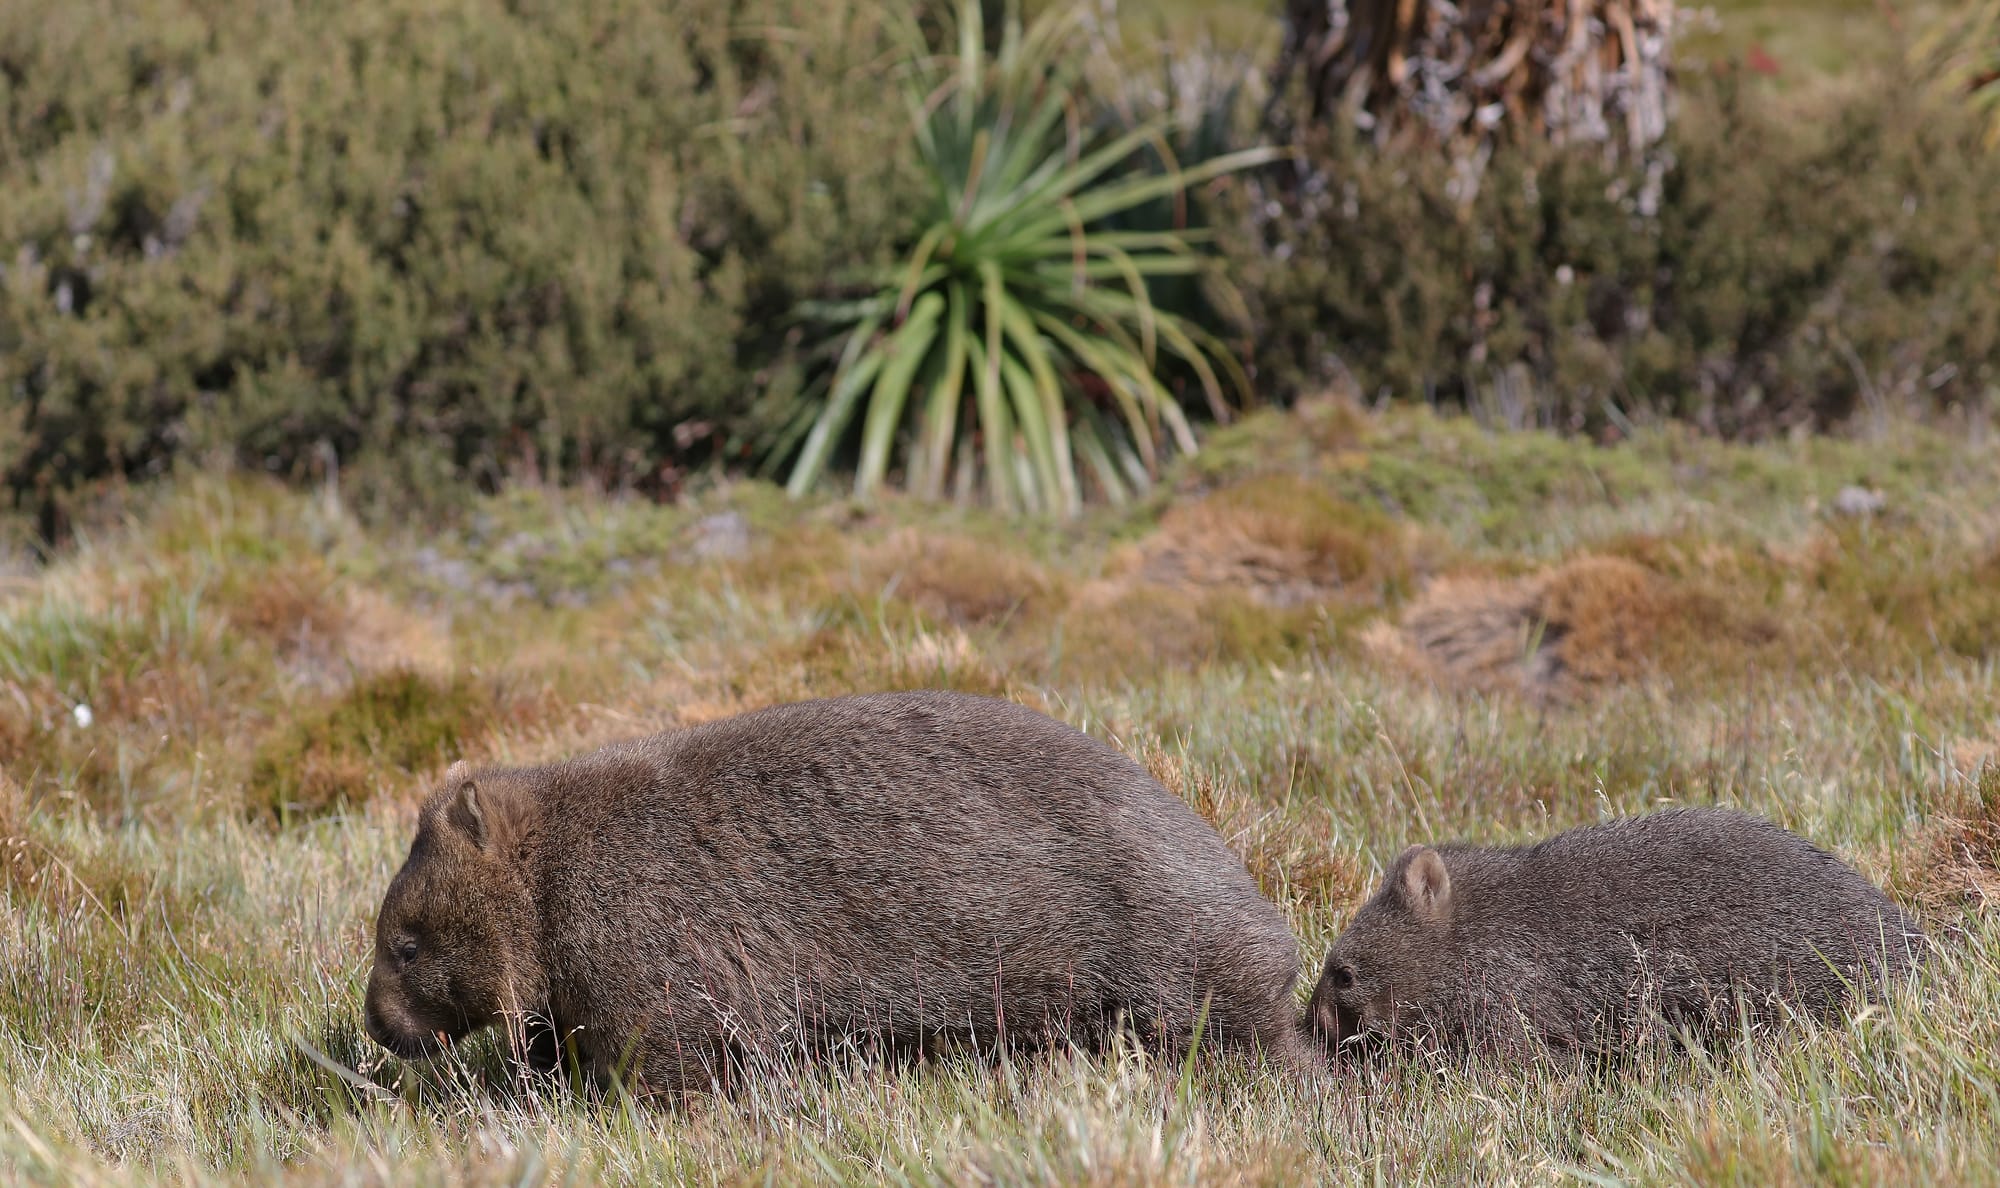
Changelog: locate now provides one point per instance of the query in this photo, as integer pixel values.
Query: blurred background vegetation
(429, 247)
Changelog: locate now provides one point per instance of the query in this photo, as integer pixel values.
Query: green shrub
(442, 241)
(1774, 268)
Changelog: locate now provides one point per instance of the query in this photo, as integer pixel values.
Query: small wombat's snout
(1344, 1030)
(1334, 1023)
(392, 1028)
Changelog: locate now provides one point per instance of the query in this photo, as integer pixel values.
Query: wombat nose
(1324, 1020)
(381, 1030)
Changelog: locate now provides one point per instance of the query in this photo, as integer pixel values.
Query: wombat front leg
(540, 1046)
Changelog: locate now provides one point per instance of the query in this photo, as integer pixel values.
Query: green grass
(175, 963)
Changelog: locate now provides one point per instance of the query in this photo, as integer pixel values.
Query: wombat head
(1385, 959)
(454, 941)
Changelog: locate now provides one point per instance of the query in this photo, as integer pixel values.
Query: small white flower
(82, 715)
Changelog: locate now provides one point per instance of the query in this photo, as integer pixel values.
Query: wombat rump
(1590, 938)
(905, 868)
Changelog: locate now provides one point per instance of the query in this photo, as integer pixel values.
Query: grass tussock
(326, 630)
(380, 733)
(1286, 856)
(14, 853)
(1282, 540)
(188, 875)
(1589, 623)
(1118, 629)
(839, 658)
(1956, 863)
(963, 582)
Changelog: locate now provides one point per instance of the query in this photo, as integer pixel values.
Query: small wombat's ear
(1426, 886)
(463, 813)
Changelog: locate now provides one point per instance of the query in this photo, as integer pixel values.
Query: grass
(181, 968)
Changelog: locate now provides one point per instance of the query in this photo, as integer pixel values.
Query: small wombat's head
(1385, 960)
(454, 936)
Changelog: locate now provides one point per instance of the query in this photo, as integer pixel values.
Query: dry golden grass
(170, 949)
(1287, 857)
(14, 855)
(837, 659)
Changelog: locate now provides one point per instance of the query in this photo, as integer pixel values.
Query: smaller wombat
(1586, 939)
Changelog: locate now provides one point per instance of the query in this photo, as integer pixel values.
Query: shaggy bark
(1569, 70)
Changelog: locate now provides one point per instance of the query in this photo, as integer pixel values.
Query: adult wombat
(1586, 938)
(901, 868)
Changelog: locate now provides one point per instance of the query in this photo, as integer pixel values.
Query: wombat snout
(1335, 1023)
(391, 1027)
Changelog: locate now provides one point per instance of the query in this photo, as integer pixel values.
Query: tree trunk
(1462, 74)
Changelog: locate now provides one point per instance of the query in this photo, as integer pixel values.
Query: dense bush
(1768, 267)
(441, 242)
(433, 240)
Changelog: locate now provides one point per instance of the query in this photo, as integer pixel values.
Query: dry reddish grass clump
(1591, 622)
(961, 581)
(1280, 538)
(1957, 855)
(327, 630)
(13, 827)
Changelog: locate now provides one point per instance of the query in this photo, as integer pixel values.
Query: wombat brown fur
(1589, 938)
(904, 868)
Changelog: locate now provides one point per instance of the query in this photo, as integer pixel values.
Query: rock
(1859, 501)
(721, 536)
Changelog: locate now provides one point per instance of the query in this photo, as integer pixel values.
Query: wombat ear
(1427, 884)
(464, 814)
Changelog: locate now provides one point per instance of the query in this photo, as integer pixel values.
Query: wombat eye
(1343, 977)
(407, 951)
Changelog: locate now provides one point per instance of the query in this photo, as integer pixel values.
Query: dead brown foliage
(1956, 862)
(1279, 538)
(962, 581)
(328, 630)
(1591, 622)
